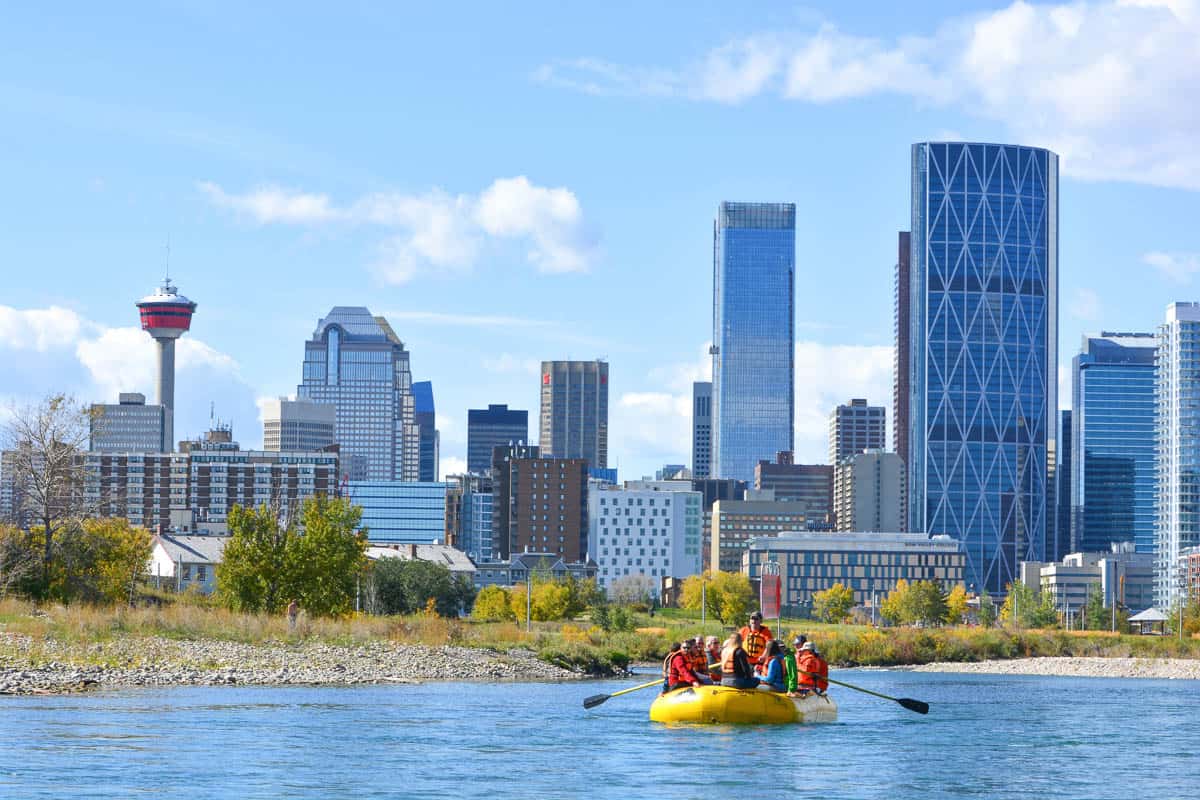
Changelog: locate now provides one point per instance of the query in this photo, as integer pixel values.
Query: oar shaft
(636, 688)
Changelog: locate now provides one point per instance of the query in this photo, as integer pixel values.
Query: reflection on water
(986, 736)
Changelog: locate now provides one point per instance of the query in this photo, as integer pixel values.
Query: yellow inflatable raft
(723, 704)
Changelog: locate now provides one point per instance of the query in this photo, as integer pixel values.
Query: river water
(986, 736)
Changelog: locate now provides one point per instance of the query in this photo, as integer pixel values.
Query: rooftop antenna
(212, 410)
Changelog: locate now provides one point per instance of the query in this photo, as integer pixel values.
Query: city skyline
(265, 199)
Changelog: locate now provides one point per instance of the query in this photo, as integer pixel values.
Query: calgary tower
(166, 315)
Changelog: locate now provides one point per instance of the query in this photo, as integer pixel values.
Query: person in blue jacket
(775, 679)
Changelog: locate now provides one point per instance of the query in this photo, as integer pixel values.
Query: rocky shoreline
(1077, 667)
(51, 667)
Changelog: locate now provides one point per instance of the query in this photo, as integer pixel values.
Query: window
(201, 573)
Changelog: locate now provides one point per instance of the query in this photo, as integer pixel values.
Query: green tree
(492, 605)
(833, 604)
(329, 557)
(926, 603)
(407, 587)
(1018, 605)
(727, 595)
(895, 607)
(987, 610)
(1095, 616)
(20, 567)
(120, 554)
(956, 605)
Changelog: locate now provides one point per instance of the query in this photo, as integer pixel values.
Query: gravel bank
(52, 667)
(1173, 668)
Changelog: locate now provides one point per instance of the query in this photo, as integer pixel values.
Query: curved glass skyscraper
(983, 352)
(753, 387)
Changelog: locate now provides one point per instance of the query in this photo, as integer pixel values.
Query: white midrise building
(649, 528)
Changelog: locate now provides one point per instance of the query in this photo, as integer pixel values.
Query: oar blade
(913, 705)
(595, 700)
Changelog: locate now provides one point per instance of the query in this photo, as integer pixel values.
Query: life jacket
(699, 662)
(679, 670)
(755, 642)
(727, 662)
(810, 662)
(714, 660)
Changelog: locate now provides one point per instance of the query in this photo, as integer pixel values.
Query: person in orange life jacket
(812, 670)
(735, 665)
(679, 670)
(713, 646)
(755, 637)
(698, 660)
(774, 678)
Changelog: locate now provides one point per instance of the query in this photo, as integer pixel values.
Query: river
(986, 736)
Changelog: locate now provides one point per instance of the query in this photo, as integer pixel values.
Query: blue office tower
(1113, 484)
(984, 353)
(427, 436)
(753, 386)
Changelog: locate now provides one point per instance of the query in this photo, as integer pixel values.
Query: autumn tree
(493, 605)
(833, 604)
(956, 605)
(727, 596)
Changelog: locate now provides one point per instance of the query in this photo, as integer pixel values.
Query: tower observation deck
(166, 315)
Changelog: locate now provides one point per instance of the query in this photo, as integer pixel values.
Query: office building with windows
(492, 427)
(401, 512)
(428, 441)
(868, 492)
(753, 349)
(701, 429)
(297, 425)
(901, 357)
(1113, 488)
(856, 428)
(983, 352)
(356, 363)
(539, 504)
(811, 484)
(469, 514)
(649, 528)
(1177, 394)
(735, 522)
(129, 426)
(574, 413)
(1062, 489)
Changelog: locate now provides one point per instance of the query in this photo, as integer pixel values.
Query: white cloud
(1085, 304)
(1113, 86)
(437, 232)
(1177, 267)
(507, 363)
(451, 465)
(38, 329)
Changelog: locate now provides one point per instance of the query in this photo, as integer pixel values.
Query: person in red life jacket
(699, 661)
(679, 671)
(812, 670)
(754, 638)
(713, 645)
(735, 665)
(666, 665)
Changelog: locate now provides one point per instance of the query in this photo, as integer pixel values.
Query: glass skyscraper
(1177, 517)
(1113, 452)
(754, 354)
(427, 435)
(492, 427)
(401, 513)
(983, 351)
(355, 362)
(574, 413)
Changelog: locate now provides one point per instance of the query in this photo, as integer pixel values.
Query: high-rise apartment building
(129, 426)
(574, 415)
(984, 354)
(811, 484)
(356, 363)
(1177, 520)
(753, 375)
(1113, 480)
(539, 504)
(711, 490)
(469, 514)
(701, 429)
(868, 492)
(902, 356)
(428, 440)
(297, 425)
(649, 528)
(492, 427)
(856, 428)
(736, 522)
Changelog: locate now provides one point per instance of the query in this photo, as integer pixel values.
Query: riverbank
(49, 666)
(1088, 667)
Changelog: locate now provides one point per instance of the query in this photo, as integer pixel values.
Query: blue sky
(509, 183)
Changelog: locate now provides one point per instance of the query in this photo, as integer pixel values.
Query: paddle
(918, 706)
(597, 699)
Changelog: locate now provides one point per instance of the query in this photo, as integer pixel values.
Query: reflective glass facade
(356, 362)
(753, 391)
(401, 513)
(427, 436)
(983, 357)
(492, 427)
(1113, 454)
(1177, 517)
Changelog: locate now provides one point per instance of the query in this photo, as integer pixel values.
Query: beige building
(868, 492)
(736, 521)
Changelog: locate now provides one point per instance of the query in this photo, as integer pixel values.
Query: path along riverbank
(1078, 667)
(51, 667)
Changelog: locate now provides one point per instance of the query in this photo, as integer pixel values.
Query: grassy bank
(577, 645)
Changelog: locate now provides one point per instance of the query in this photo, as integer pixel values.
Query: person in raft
(699, 660)
(754, 639)
(774, 676)
(813, 670)
(713, 647)
(679, 669)
(735, 665)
